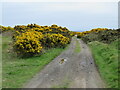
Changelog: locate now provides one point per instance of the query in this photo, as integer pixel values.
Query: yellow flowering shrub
(28, 43)
(31, 39)
(96, 30)
(55, 40)
(53, 29)
(5, 29)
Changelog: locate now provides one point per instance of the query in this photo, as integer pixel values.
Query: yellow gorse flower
(33, 38)
(55, 40)
(28, 42)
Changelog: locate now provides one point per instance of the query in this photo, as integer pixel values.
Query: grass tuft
(77, 48)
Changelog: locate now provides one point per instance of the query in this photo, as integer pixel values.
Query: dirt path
(69, 70)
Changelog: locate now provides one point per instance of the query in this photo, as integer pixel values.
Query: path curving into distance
(69, 70)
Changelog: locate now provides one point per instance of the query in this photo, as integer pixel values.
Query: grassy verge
(106, 58)
(77, 48)
(17, 71)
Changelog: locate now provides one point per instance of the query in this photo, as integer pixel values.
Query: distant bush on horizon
(105, 36)
(4, 29)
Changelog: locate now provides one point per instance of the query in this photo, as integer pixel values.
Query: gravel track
(69, 70)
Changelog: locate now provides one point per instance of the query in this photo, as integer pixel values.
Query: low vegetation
(106, 58)
(104, 46)
(105, 36)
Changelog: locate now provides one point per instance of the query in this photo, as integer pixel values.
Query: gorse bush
(105, 36)
(99, 34)
(33, 39)
(5, 29)
(28, 43)
(55, 40)
(97, 30)
(44, 29)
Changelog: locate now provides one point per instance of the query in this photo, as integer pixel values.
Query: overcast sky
(76, 16)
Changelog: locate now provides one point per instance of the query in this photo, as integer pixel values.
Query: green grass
(77, 48)
(17, 71)
(106, 58)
